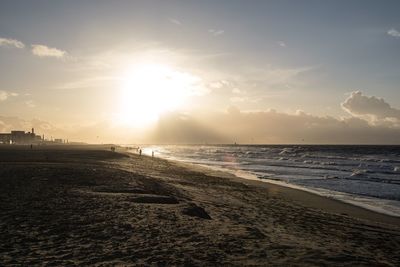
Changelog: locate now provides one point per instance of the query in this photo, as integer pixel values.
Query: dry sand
(83, 205)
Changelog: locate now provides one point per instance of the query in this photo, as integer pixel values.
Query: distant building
(20, 137)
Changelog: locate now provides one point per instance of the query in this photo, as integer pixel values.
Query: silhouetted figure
(140, 151)
(31, 146)
(152, 154)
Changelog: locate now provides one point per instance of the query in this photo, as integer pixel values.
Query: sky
(202, 71)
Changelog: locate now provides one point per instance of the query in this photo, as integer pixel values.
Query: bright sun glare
(148, 90)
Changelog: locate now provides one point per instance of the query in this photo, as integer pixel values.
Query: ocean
(366, 176)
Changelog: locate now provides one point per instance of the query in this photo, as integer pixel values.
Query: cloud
(237, 99)
(95, 81)
(181, 129)
(218, 84)
(268, 127)
(271, 80)
(30, 103)
(257, 84)
(234, 125)
(394, 33)
(11, 42)
(271, 75)
(274, 127)
(45, 51)
(216, 32)
(237, 91)
(361, 105)
(8, 124)
(243, 96)
(175, 21)
(282, 44)
(4, 95)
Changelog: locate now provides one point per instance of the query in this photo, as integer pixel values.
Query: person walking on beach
(140, 151)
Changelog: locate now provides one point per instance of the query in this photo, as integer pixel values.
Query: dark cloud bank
(272, 127)
(371, 121)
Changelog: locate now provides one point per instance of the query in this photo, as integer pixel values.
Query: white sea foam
(358, 172)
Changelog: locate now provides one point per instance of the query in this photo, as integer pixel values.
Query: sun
(148, 90)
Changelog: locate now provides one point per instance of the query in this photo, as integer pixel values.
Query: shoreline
(304, 196)
(388, 207)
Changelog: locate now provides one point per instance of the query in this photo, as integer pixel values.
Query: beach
(86, 205)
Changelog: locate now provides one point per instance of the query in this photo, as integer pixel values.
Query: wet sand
(85, 205)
